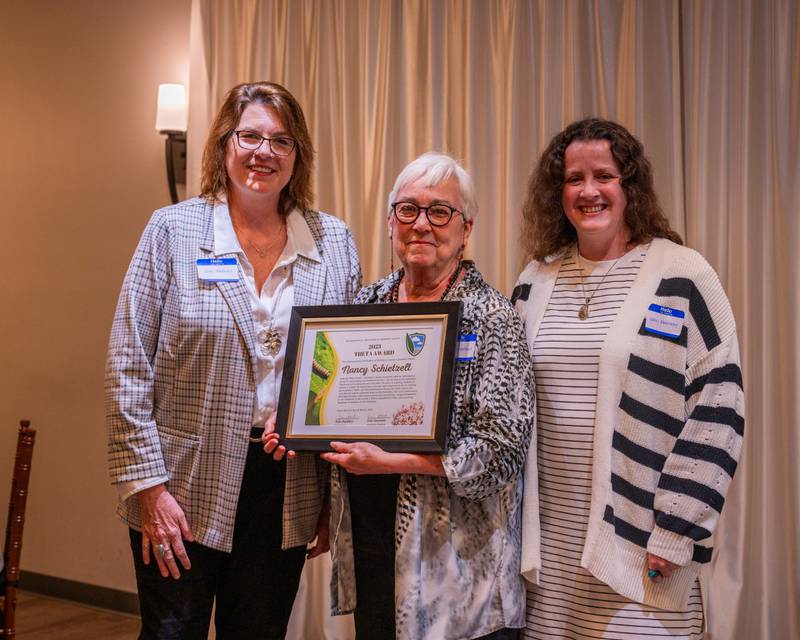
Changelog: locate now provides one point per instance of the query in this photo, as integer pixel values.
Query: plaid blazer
(180, 372)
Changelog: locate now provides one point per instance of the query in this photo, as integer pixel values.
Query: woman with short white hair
(428, 546)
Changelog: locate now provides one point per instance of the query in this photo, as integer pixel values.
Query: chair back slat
(12, 550)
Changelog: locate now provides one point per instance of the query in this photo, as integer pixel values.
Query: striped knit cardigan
(668, 427)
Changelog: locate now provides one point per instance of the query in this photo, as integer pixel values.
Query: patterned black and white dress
(570, 602)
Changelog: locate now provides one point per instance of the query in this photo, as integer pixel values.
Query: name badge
(466, 347)
(664, 321)
(218, 269)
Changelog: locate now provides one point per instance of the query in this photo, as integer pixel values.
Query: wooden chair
(16, 521)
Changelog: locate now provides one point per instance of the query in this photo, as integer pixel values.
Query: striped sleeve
(697, 472)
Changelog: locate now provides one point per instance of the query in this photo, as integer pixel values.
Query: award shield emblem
(415, 342)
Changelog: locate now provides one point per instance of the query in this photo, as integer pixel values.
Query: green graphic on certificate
(323, 372)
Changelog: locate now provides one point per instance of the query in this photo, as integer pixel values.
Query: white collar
(299, 240)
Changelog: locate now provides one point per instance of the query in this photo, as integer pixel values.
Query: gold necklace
(583, 312)
(270, 337)
(262, 253)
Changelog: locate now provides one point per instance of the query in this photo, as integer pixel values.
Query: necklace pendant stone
(583, 312)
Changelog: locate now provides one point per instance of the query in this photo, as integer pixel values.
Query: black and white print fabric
(457, 539)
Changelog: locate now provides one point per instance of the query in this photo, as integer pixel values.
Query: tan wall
(82, 169)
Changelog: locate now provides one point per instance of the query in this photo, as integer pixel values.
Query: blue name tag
(467, 342)
(218, 269)
(664, 321)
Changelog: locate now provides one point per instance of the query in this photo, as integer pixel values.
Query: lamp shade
(171, 115)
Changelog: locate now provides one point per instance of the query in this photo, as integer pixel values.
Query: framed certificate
(380, 373)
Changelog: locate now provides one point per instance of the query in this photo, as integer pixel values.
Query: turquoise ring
(653, 574)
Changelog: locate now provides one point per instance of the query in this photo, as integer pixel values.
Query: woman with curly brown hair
(639, 398)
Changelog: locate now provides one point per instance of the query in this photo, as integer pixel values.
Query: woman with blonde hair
(193, 373)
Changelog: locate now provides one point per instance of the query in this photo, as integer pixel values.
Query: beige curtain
(713, 90)
(741, 131)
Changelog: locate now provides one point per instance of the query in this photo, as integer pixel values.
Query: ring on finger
(162, 551)
(654, 574)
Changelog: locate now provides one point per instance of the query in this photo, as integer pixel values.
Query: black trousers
(373, 500)
(254, 585)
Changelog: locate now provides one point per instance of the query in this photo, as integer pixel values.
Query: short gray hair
(432, 168)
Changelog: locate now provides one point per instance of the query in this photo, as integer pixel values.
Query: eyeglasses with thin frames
(279, 145)
(438, 215)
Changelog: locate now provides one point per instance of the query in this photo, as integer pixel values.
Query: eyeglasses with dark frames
(279, 145)
(439, 215)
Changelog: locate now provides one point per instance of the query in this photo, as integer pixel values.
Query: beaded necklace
(396, 286)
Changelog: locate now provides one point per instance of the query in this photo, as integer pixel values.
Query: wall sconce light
(171, 121)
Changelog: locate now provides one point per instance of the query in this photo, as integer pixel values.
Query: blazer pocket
(181, 452)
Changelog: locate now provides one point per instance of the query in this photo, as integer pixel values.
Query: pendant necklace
(270, 337)
(583, 312)
(452, 282)
(262, 253)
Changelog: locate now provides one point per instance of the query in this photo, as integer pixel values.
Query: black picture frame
(307, 319)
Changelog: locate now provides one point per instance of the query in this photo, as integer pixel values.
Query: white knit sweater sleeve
(698, 470)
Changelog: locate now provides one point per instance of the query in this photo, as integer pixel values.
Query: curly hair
(214, 177)
(546, 229)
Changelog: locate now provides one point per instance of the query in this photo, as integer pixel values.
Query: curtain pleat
(711, 87)
(742, 168)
